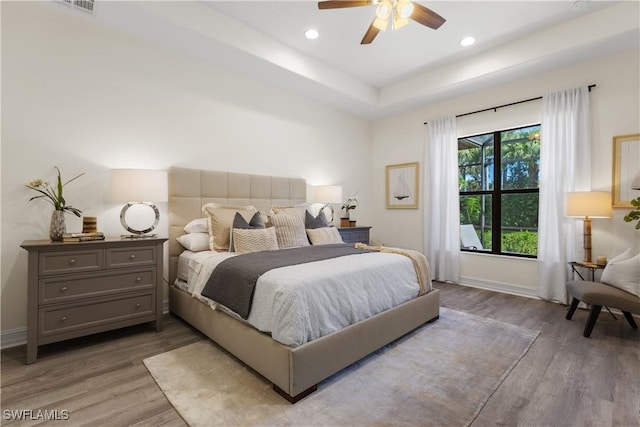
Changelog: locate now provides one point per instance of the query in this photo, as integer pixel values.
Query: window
(499, 178)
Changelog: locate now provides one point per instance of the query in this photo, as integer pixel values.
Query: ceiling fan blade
(371, 34)
(337, 4)
(426, 16)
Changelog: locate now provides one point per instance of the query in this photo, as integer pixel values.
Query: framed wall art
(626, 169)
(402, 189)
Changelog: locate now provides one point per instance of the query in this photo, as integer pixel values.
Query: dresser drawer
(131, 257)
(72, 287)
(88, 315)
(70, 261)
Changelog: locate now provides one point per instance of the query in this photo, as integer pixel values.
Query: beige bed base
(294, 371)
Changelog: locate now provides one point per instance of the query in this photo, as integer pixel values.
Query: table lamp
(327, 194)
(588, 204)
(139, 187)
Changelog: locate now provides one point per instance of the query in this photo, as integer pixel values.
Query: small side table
(354, 234)
(591, 268)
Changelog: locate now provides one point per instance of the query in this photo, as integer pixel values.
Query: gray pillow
(239, 222)
(319, 221)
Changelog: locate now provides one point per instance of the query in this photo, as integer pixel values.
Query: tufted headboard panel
(190, 189)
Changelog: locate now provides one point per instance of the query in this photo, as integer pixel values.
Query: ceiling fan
(396, 12)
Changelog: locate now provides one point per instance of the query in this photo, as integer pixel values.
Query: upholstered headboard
(190, 189)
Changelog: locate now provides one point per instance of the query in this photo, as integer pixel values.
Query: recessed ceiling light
(467, 41)
(311, 34)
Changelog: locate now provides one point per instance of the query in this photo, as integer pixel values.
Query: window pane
(475, 163)
(520, 158)
(520, 223)
(475, 219)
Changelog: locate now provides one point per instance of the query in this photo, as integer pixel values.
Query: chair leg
(593, 317)
(629, 318)
(572, 309)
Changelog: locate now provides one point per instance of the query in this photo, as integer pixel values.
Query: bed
(294, 371)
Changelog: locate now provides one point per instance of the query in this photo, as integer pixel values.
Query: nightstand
(82, 288)
(355, 234)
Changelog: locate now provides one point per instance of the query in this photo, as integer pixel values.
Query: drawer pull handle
(72, 261)
(138, 305)
(138, 279)
(63, 289)
(132, 256)
(63, 318)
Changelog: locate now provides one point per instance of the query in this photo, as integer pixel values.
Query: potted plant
(348, 207)
(634, 215)
(54, 196)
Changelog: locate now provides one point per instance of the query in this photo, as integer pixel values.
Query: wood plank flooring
(564, 380)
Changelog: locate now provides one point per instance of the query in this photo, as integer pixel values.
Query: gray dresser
(82, 288)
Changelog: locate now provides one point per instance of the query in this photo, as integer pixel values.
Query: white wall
(615, 111)
(81, 96)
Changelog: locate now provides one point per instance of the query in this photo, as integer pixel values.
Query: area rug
(441, 374)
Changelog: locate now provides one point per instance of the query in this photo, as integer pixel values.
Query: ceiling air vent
(84, 5)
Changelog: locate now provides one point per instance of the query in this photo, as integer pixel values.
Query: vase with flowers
(53, 194)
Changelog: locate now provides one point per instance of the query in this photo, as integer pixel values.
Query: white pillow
(324, 236)
(195, 242)
(197, 226)
(290, 230)
(623, 273)
(248, 240)
(298, 210)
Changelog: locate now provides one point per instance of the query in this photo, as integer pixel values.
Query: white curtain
(565, 165)
(442, 207)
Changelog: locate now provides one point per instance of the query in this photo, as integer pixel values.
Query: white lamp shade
(139, 185)
(327, 194)
(594, 204)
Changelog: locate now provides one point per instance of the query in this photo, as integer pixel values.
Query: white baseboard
(16, 337)
(506, 288)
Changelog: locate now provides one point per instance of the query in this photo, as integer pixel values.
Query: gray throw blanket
(232, 283)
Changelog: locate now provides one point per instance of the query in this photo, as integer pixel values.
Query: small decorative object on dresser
(355, 234)
(78, 289)
(348, 219)
(53, 195)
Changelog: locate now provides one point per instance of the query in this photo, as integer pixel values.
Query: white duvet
(300, 303)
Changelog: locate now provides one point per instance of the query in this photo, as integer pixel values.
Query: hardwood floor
(564, 379)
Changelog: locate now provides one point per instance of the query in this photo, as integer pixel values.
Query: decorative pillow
(199, 225)
(220, 222)
(324, 236)
(623, 274)
(195, 242)
(290, 230)
(318, 222)
(248, 240)
(298, 210)
(240, 223)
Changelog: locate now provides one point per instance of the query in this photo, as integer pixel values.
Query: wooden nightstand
(78, 289)
(355, 234)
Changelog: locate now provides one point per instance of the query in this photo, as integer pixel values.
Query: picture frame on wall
(626, 169)
(402, 186)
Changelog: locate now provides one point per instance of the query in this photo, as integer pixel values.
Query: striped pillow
(248, 240)
(290, 230)
(324, 236)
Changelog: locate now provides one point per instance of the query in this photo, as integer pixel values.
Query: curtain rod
(507, 105)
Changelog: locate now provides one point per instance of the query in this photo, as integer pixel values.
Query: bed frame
(293, 371)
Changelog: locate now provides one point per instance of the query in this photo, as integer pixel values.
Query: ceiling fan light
(404, 9)
(381, 24)
(384, 10)
(399, 22)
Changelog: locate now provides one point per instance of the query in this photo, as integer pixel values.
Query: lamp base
(138, 233)
(138, 236)
(586, 242)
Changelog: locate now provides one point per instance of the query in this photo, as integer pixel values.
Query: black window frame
(496, 194)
